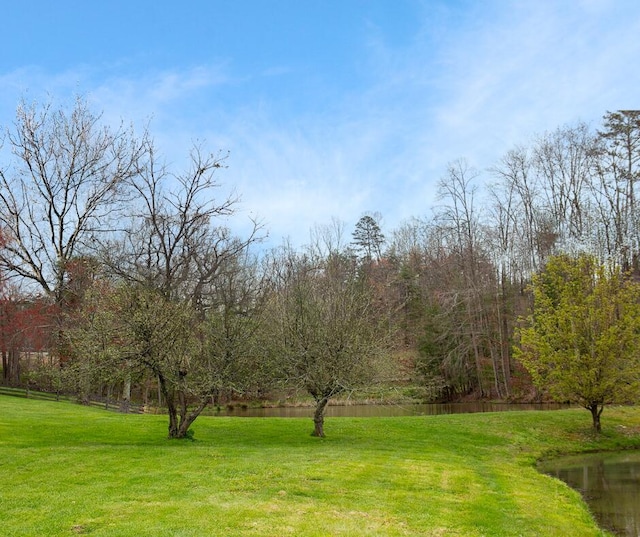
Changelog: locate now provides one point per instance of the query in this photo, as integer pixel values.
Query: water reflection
(372, 411)
(609, 483)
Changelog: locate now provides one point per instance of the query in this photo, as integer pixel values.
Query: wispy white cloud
(162, 95)
(538, 65)
(33, 83)
(507, 74)
(473, 81)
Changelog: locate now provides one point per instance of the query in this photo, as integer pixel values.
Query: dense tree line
(123, 274)
(466, 268)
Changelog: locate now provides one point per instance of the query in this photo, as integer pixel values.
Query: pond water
(609, 483)
(372, 411)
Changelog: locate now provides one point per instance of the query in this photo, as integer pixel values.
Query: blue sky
(329, 108)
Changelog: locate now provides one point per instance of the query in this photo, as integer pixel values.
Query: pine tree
(368, 238)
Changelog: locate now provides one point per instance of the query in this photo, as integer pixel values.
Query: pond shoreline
(383, 409)
(609, 483)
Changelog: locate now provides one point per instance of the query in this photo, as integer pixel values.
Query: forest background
(122, 277)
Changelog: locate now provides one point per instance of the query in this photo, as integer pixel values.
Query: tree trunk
(5, 373)
(318, 417)
(106, 403)
(187, 419)
(473, 328)
(126, 393)
(596, 411)
(179, 419)
(11, 367)
(172, 408)
(85, 388)
(159, 393)
(496, 370)
(503, 327)
(477, 360)
(173, 419)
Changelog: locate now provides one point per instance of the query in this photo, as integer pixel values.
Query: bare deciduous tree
(66, 175)
(176, 239)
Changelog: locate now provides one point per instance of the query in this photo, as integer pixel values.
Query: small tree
(324, 330)
(98, 345)
(582, 342)
(233, 350)
(192, 357)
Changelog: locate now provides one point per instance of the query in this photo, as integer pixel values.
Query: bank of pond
(608, 482)
(381, 410)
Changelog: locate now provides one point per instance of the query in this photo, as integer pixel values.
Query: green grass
(70, 470)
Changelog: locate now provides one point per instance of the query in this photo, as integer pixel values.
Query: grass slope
(68, 470)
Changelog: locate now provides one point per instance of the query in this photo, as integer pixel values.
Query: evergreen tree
(368, 238)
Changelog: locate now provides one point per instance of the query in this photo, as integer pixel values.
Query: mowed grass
(69, 470)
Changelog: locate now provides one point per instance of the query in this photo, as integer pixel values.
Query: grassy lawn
(70, 470)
